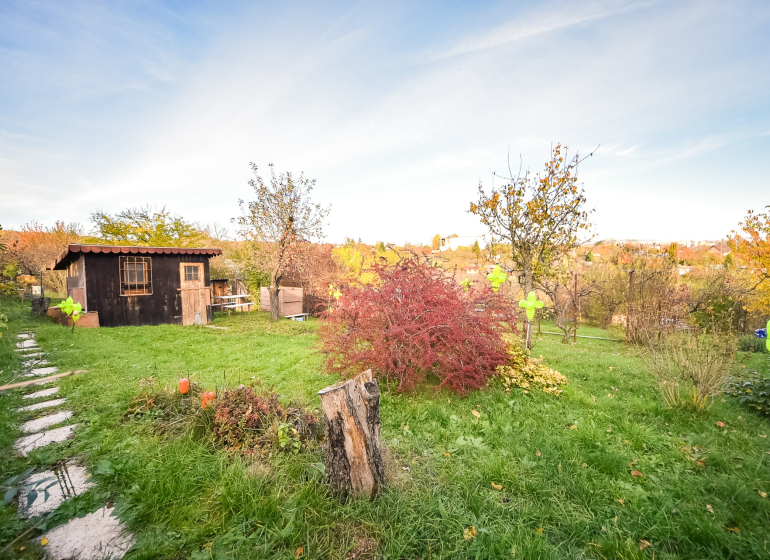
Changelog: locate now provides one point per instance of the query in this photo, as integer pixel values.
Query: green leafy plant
(13, 486)
(72, 310)
(753, 392)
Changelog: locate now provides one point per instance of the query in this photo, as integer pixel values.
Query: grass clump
(750, 343)
(524, 371)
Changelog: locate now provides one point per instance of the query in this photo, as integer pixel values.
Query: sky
(398, 110)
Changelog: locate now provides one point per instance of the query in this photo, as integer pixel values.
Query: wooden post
(575, 301)
(354, 464)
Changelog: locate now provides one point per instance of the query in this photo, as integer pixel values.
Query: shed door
(196, 298)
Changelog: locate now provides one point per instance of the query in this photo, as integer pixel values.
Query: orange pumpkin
(184, 385)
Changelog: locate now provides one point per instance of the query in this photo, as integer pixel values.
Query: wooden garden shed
(140, 285)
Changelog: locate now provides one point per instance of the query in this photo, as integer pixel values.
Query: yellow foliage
(525, 371)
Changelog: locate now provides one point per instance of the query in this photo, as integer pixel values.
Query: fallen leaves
(621, 502)
(733, 529)
(300, 551)
(762, 494)
(538, 453)
(476, 413)
(470, 533)
(644, 544)
(709, 508)
(539, 530)
(497, 486)
(721, 424)
(636, 474)
(44, 541)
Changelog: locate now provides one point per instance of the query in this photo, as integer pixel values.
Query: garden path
(98, 535)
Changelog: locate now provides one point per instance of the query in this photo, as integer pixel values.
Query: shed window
(135, 276)
(191, 273)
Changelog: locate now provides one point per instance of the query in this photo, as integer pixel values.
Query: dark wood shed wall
(163, 306)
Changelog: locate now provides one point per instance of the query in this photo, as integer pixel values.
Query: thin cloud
(545, 22)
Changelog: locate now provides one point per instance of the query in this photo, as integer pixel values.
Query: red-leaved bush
(414, 319)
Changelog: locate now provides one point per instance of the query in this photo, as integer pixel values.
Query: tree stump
(354, 464)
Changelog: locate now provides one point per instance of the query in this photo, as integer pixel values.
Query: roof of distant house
(74, 249)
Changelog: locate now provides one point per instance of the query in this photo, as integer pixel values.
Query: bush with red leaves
(415, 319)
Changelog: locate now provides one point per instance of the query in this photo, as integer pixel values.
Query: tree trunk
(528, 286)
(354, 464)
(274, 307)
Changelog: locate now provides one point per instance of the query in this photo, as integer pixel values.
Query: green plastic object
(497, 277)
(466, 284)
(71, 308)
(530, 304)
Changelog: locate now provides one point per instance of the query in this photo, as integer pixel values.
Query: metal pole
(629, 304)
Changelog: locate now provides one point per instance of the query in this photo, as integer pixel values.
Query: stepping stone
(24, 335)
(34, 363)
(34, 372)
(43, 393)
(61, 483)
(29, 443)
(30, 343)
(44, 404)
(40, 424)
(97, 536)
(31, 355)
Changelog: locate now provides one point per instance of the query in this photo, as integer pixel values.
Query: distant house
(452, 243)
(140, 285)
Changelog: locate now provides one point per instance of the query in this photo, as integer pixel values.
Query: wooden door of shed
(196, 297)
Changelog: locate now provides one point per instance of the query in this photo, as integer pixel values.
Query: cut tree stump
(354, 465)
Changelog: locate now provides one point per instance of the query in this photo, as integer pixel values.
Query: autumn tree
(751, 247)
(436, 243)
(145, 226)
(536, 218)
(36, 247)
(279, 225)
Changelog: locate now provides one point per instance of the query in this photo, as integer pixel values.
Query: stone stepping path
(61, 483)
(39, 424)
(25, 445)
(96, 536)
(43, 393)
(35, 372)
(40, 405)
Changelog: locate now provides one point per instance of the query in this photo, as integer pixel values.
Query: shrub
(522, 370)
(753, 392)
(691, 368)
(750, 343)
(414, 319)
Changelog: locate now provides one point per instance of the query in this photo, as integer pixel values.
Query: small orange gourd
(208, 396)
(184, 385)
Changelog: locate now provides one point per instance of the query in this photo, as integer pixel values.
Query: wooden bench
(298, 316)
(234, 306)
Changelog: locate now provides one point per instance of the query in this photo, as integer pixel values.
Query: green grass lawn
(564, 462)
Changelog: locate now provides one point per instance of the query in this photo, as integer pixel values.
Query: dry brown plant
(691, 368)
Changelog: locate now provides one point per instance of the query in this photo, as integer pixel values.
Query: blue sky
(397, 109)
